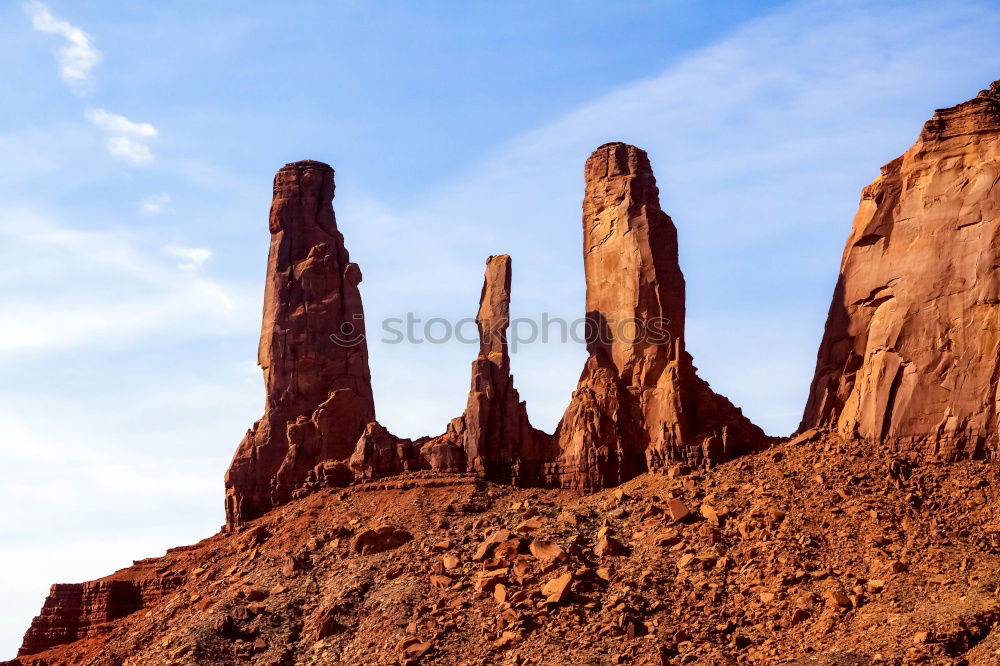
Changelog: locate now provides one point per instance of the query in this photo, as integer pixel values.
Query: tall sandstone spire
(911, 351)
(499, 442)
(312, 349)
(639, 402)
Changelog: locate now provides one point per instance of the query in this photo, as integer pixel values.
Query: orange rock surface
(911, 351)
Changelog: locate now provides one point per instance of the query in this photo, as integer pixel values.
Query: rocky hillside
(657, 525)
(817, 550)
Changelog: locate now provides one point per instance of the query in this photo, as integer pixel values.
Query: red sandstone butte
(639, 401)
(911, 351)
(312, 350)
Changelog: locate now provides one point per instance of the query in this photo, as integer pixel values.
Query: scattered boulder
(547, 551)
(557, 590)
(608, 546)
(677, 509)
(387, 537)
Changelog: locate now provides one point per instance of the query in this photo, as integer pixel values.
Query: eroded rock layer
(77, 610)
(639, 401)
(312, 350)
(911, 351)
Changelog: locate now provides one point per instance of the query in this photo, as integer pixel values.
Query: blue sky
(138, 144)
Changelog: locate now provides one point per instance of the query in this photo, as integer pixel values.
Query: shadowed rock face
(319, 396)
(639, 401)
(911, 351)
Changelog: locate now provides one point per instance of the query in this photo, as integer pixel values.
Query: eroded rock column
(493, 437)
(494, 432)
(312, 349)
(639, 401)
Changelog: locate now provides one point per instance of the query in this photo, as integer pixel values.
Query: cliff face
(639, 402)
(911, 351)
(78, 610)
(312, 350)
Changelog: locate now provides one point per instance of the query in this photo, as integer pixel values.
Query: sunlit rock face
(639, 402)
(911, 351)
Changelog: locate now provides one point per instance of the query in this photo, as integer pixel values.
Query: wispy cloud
(192, 258)
(77, 57)
(127, 138)
(113, 123)
(128, 148)
(104, 287)
(155, 204)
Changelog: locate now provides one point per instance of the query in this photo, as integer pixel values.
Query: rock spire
(312, 349)
(639, 402)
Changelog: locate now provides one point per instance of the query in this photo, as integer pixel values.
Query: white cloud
(129, 149)
(127, 138)
(155, 204)
(192, 258)
(77, 57)
(112, 123)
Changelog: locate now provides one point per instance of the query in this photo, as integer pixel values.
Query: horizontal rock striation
(77, 610)
(911, 351)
